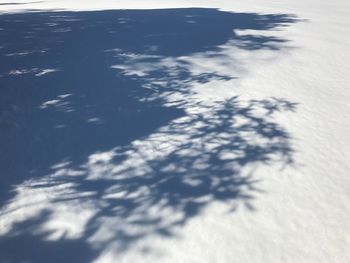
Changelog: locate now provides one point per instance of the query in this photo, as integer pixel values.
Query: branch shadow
(98, 154)
(17, 3)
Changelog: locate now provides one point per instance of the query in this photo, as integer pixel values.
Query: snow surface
(175, 131)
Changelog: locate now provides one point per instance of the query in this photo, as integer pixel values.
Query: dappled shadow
(104, 140)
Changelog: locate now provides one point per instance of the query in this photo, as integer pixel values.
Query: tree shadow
(17, 3)
(103, 143)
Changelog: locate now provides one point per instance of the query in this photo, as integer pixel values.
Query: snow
(174, 131)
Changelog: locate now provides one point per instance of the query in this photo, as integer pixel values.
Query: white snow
(291, 205)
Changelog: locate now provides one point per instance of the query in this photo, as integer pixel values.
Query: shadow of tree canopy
(103, 143)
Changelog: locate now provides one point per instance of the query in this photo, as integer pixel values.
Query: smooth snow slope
(175, 131)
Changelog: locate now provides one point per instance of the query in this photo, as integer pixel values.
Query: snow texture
(174, 131)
